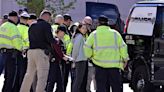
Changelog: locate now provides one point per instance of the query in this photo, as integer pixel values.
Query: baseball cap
(67, 16)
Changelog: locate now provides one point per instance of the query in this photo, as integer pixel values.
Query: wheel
(140, 80)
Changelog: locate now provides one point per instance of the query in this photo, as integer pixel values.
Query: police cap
(67, 16)
(103, 19)
(5, 16)
(24, 15)
(45, 12)
(13, 13)
(62, 28)
(33, 16)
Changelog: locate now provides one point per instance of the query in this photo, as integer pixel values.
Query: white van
(144, 35)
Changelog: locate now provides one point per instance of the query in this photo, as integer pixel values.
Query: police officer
(4, 19)
(59, 19)
(23, 30)
(11, 47)
(66, 66)
(108, 52)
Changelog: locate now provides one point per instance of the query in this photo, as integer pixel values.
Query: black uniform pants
(66, 69)
(106, 76)
(54, 76)
(15, 69)
(22, 67)
(81, 72)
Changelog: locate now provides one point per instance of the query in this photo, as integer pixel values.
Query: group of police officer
(36, 55)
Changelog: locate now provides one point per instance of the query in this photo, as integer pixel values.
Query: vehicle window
(96, 9)
(159, 25)
(142, 21)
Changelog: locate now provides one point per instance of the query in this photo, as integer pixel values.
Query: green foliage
(34, 6)
(59, 6)
(55, 6)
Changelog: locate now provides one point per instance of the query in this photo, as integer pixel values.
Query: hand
(125, 64)
(73, 65)
(65, 58)
(24, 53)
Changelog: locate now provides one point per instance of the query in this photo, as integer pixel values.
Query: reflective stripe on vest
(88, 46)
(109, 61)
(9, 38)
(16, 36)
(27, 40)
(115, 46)
(106, 47)
(5, 46)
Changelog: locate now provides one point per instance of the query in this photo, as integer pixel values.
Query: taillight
(126, 25)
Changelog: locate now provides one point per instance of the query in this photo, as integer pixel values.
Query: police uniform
(2, 58)
(54, 28)
(23, 30)
(11, 47)
(66, 66)
(108, 52)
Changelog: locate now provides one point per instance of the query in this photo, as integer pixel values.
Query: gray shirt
(78, 51)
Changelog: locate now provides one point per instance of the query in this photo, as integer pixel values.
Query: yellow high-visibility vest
(54, 28)
(23, 30)
(106, 48)
(10, 37)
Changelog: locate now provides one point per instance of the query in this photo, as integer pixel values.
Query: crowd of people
(38, 52)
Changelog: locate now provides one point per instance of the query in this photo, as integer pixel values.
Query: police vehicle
(144, 35)
(95, 9)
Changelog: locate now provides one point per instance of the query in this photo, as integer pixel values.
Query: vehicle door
(158, 58)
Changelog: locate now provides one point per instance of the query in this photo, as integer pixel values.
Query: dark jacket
(58, 49)
(40, 35)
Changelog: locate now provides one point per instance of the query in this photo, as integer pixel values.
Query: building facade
(7, 5)
(80, 7)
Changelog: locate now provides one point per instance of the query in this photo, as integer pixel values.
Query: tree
(59, 6)
(33, 6)
(55, 6)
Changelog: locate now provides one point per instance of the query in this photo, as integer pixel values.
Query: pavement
(126, 86)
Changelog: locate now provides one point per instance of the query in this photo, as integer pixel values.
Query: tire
(140, 80)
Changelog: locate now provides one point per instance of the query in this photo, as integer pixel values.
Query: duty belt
(3, 50)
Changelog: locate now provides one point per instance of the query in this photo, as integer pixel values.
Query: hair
(77, 30)
(57, 31)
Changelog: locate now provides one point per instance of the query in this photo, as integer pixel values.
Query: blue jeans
(2, 61)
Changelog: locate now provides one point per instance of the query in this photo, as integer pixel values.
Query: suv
(144, 35)
(95, 9)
